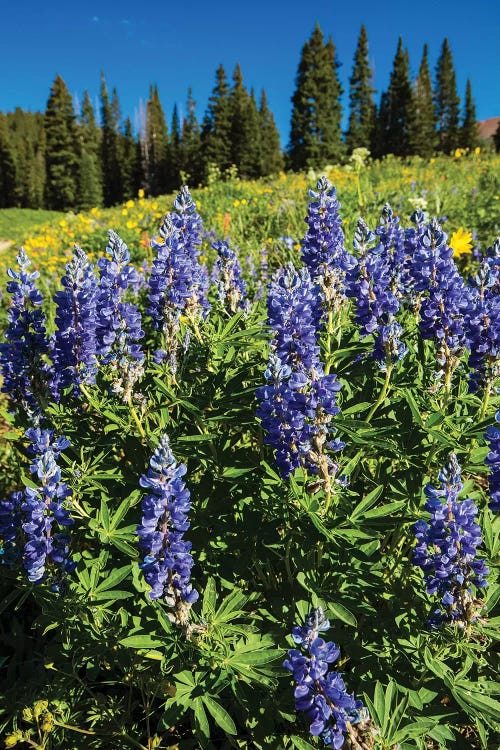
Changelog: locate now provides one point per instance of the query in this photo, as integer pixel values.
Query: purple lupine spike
(189, 225)
(10, 526)
(231, 287)
(482, 326)
(445, 298)
(323, 247)
(299, 401)
(27, 377)
(119, 322)
(321, 692)
(178, 284)
(392, 240)
(493, 461)
(446, 549)
(167, 559)
(46, 553)
(370, 283)
(74, 351)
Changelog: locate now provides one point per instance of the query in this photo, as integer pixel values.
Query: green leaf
(367, 502)
(301, 744)
(220, 715)
(141, 641)
(337, 610)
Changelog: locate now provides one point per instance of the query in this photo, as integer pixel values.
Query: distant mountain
(488, 128)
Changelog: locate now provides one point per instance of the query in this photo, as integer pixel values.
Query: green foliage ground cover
(103, 666)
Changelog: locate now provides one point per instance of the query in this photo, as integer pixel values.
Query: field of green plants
(250, 465)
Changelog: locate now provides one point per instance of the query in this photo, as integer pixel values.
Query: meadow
(250, 465)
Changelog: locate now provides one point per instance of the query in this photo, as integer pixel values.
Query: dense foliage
(203, 456)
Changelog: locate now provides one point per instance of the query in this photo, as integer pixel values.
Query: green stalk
(383, 393)
(136, 418)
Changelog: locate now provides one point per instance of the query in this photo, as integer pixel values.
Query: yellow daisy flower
(461, 242)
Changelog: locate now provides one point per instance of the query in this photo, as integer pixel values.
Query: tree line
(67, 159)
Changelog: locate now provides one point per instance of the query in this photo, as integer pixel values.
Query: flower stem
(136, 418)
(486, 401)
(383, 393)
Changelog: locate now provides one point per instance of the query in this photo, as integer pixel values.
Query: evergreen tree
(8, 171)
(468, 133)
(399, 105)
(129, 155)
(270, 147)
(380, 138)
(496, 138)
(251, 158)
(447, 101)
(90, 173)
(315, 137)
(238, 103)
(216, 131)
(190, 161)
(362, 108)
(423, 122)
(156, 144)
(174, 151)
(61, 155)
(110, 157)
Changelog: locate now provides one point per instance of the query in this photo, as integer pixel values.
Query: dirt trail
(4, 244)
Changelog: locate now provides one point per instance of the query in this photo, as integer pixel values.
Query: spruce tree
(216, 131)
(399, 105)
(362, 108)
(238, 103)
(270, 147)
(156, 144)
(61, 155)
(468, 132)
(496, 138)
(423, 121)
(128, 158)
(380, 143)
(174, 151)
(190, 158)
(251, 160)
(447, 101)
(8, 171)
(89, 173)
(315, 136)
(110, 157)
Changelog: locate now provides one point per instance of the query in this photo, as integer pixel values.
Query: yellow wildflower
(461, 242)
(236, 203)
(124, 212)
(477, 150)
(141, 193)
(129, 204)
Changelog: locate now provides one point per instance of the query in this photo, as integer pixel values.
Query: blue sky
(180, 44)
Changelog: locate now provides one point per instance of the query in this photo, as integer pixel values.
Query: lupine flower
(74, 351)
(320, 691)
(189, 225)
(167, 560)
(231, 287)
(482, 325)
(299, 400)
(323, 247)
(27, 377)
(446, 298)
(447, 549)
(10, 525)
(178, 284)
(391, 237)
(370, 283)
(493, 461)
(119, 322)
(46, 551)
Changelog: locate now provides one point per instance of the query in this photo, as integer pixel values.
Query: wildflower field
(250, 465)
